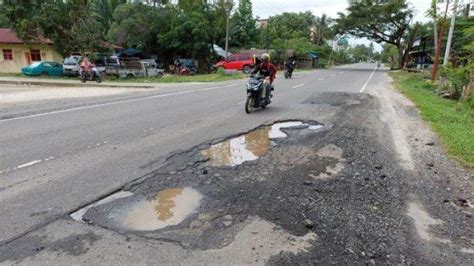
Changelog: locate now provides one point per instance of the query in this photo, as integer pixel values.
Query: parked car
(189, 66)
(43, 68)
(242, 62)
(71, 65)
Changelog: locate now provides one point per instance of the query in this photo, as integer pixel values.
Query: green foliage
(453, 121)
(383, 23)
(290, 26)
(71, 25)
(361, 52)
(454, 80)
(243, 26)
(390, 55)
(138, 25)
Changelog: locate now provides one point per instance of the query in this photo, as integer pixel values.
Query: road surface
(60, 155)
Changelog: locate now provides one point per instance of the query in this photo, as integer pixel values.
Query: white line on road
(333, 75)
(28, 164)
(320, 78)
(367, 83)
(118, 102)
(297, 86)
(241, 103)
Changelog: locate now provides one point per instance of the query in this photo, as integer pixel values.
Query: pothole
(136, 213)
(334, 153)
(250, 146)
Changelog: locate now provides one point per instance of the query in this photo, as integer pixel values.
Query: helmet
(266, 57)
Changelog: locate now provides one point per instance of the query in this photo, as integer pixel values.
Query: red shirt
(267, 70)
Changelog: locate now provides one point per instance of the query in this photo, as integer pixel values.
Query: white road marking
(118, 102)
(367, 83)
(28, 164)
(320, 78)
(333, 75)
(297, 86)
(241, 103)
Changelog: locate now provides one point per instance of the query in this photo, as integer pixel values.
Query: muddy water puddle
(136, 213)
(169, 207)
(250, 146)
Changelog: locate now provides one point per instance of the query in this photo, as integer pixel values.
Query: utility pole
(229, 4)
(435, 23)
(434, 71)
(450, 36)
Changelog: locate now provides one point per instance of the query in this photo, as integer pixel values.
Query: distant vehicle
(71, 65)
(186, 66)
(45, 68)
(94, 75)
(133, 69)
(243, 62)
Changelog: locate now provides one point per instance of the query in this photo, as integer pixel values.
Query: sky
(266, 8)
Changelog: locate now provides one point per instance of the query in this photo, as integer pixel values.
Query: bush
(220, 71)
(454, 80)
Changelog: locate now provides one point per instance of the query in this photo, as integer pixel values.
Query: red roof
(8, 36)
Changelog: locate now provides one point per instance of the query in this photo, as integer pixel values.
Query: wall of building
(22, 56)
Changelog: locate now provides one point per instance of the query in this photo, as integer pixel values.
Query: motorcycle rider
(87, 66)
(267, 70)
(290, 65)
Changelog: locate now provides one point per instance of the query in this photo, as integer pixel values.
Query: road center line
(297, 86)
(367, 83)
(28, 164)
(117, 102)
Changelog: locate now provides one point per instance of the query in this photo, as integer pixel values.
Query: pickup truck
(134, 69)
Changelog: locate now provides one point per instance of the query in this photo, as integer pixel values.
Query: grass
(452, 120)
(166, 79)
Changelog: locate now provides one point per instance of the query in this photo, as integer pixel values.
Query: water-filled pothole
(127, 212)
(250, 146)
(169, 207)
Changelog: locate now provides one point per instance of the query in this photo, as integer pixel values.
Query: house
(15, 53)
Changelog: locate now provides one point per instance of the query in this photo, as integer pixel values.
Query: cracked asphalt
(371, 186)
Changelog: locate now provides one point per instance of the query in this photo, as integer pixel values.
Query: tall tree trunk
(434, 71)
(450, 36)
(401, 61)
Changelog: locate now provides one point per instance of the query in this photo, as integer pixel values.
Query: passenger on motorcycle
(87, 66)
(267, 70)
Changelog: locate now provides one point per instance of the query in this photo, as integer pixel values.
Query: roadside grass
(453, 121)
(215, 77)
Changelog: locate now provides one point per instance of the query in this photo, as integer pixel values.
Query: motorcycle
(94, 75)
(254, 94)
(288, 73)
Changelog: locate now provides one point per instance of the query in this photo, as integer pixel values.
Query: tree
(360, 52)
(321, 30)
(71, 25)
(243, 26)
(190, 36)
(382, 21)
(139, 25)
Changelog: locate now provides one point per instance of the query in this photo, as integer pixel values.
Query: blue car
(45, 68)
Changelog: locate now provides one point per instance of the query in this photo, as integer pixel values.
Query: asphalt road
(55, 161)
(60, 155)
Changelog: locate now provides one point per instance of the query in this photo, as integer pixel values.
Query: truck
(133, 69)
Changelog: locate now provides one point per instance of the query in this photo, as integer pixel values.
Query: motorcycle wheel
(98, 79)
(249, 104)
(83, 78)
